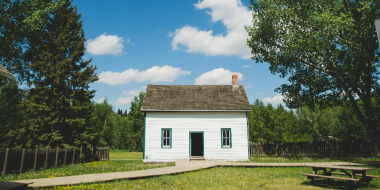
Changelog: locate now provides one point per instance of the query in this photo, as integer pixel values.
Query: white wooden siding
(182, 123)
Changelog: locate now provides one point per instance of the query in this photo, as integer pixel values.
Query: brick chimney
(235, 79)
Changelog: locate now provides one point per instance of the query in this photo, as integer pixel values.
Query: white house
(185, 122)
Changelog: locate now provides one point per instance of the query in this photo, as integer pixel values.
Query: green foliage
(114, 129)
(58, 109)
(98, 124)
(11, 115)
(137, 120)
(328, 50)
(269, 124)
(17, 19)
(316, 122)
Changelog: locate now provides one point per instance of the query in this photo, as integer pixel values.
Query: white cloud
(132, 92)
(276, 99)
(123, 100)
(217, 76)
(247, 66)
(249, 86)
(106, 44)
(144, 87)
(155, 74)
(100, 100)
(233, 14)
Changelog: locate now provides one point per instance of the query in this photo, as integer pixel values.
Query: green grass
(316, 158)
(287, 178)
(86, 168)
(125, 155)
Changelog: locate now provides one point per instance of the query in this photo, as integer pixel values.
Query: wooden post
(5, 161)
(108, 153)
(80, 155)
(96, 153)
(73, 155)
(22, 160)
(35, 160)
(56, 157)
(47, 156)
(64, 159)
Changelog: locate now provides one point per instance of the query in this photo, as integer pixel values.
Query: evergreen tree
(125, 113)
(59, 106)
(11, 116)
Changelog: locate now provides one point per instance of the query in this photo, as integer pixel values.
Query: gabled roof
(5, 73)
(195, 98)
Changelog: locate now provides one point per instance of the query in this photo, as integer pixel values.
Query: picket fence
(21, 160)
(271, 149)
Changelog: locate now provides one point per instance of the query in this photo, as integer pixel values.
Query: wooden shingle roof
(5, 73)
(195, 98)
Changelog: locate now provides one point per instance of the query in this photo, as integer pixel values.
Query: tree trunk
(372, 137)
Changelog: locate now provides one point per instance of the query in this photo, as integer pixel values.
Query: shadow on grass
(332, 184)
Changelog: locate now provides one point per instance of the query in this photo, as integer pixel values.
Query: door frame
(203, 142)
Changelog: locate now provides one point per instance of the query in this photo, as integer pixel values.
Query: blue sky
(187, 42)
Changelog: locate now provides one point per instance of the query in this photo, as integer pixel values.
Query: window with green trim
(166, 138)
(226, 137)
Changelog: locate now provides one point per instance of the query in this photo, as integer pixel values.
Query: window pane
(164, 133)
(168, 143)
(228, 142)
(224, 133)
(168, 135)
(164, 142)
(224, 142)
(228, 133)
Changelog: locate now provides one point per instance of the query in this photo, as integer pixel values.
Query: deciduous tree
(327, 49)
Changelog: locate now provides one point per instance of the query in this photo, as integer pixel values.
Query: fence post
(22, 160)
(80, 155)
(96, 152)
(56, 157)
(64, 159)
(35, 159)
(47, 156)
(108, 153)
(73, 155)
(5, 161)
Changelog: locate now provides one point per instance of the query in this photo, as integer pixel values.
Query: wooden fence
(103, 153)
(21, 160)
(270, 149)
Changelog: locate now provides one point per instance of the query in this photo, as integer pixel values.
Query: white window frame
(226, 136)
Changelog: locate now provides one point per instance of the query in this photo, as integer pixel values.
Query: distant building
(206, 122)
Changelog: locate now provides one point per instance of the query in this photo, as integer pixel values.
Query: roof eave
(155, 110)
(6, 75)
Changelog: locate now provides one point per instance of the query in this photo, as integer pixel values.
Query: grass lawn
(126, 155)
(86, 168)
(317, 158)
(233, 178)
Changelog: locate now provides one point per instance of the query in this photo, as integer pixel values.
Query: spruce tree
(59, 107)
(11, 116)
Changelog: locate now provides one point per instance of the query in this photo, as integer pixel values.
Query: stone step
(197, 158)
